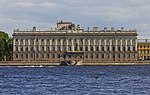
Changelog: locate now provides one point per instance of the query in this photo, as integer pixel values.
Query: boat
(70, 63)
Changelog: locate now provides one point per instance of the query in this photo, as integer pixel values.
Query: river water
(75, 80)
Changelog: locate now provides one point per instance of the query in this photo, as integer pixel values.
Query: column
(61, 45)
(55, 44)
(110, 46)
(44, 44)
(88, 44)
(67, 44)
(105, 45)
(94, 45)
(77, 44)
(100, 44)
(136, 44)
(126, 45)
(131, 47)
(50, 44)
(83, 44)
(116, 45)
(72, 44)
(121, 45)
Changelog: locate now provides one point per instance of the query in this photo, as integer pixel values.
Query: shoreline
(44, 63)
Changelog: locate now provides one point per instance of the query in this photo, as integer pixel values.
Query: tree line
(5, 46)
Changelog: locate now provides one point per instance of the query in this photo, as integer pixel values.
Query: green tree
(5, 46)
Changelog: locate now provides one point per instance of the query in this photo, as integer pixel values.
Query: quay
(37, 63)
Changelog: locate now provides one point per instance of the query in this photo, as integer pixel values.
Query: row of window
(80, 41)
(76, 48)
(141, 46)
(144, 52)
(103, 56)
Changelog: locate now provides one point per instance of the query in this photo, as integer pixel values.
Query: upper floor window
(47, 40)
(16, 40)
(42, 40)
(37, 40)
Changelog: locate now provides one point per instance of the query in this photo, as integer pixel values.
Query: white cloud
(42, 13)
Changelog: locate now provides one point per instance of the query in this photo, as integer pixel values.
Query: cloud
(45, 13)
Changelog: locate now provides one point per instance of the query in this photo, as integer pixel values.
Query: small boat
(70, 63)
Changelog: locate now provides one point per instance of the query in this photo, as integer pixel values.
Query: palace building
(69, 42)
(144, 49)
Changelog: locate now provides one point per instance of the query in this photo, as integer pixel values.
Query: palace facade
(69, 42)
(144, 49)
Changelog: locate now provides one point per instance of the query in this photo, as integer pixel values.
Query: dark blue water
(84, 80)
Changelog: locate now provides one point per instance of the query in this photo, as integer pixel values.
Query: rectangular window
(102, 48)
(119, 49)
(128, 48)
(21, 48)
(102, 56)
(91, 48)
(47, 40)
(47, 48)
(53, 55)
(86, 56)
(118, 55)
(16, 55)
(37, 48)
(37, 40)
(114, 49)
(21, 55)
(128, 55)
(97, 48)
(37, 55)
(26, 55)
(42, 48)
(16, 48)
(42, 55)
(97, 56)
(108, 48)
(124, 48)
(86, 48)
(31, 55)
(133, 48)
(124, 56)
(91, 56)
(32, 48)
(58, 55)
(69, 56)
(81, 49)
(47, 55)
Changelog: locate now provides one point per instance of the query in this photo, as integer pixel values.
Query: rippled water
(89, 80)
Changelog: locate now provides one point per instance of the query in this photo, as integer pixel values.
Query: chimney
(105, 28)
(78, 26)
(122, 29)
(34, 28)
(95, 28)
(112, 29)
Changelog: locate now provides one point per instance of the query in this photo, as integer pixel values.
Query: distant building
(144, 49)
(68, 41)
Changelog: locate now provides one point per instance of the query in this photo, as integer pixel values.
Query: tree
(5, 46)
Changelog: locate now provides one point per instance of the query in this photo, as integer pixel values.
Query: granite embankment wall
(26, 63)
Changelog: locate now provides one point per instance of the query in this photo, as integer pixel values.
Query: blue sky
(24, 14)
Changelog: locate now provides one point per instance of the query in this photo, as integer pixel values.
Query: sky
(44, 14)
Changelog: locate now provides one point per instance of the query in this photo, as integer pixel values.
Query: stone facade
(72, 43)
(144, 49)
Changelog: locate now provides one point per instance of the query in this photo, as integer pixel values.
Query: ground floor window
(42, 55)
(47, 55)
(26, 55)
(37, 56)
(16, 55)
(31, 55)
(21, 55)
